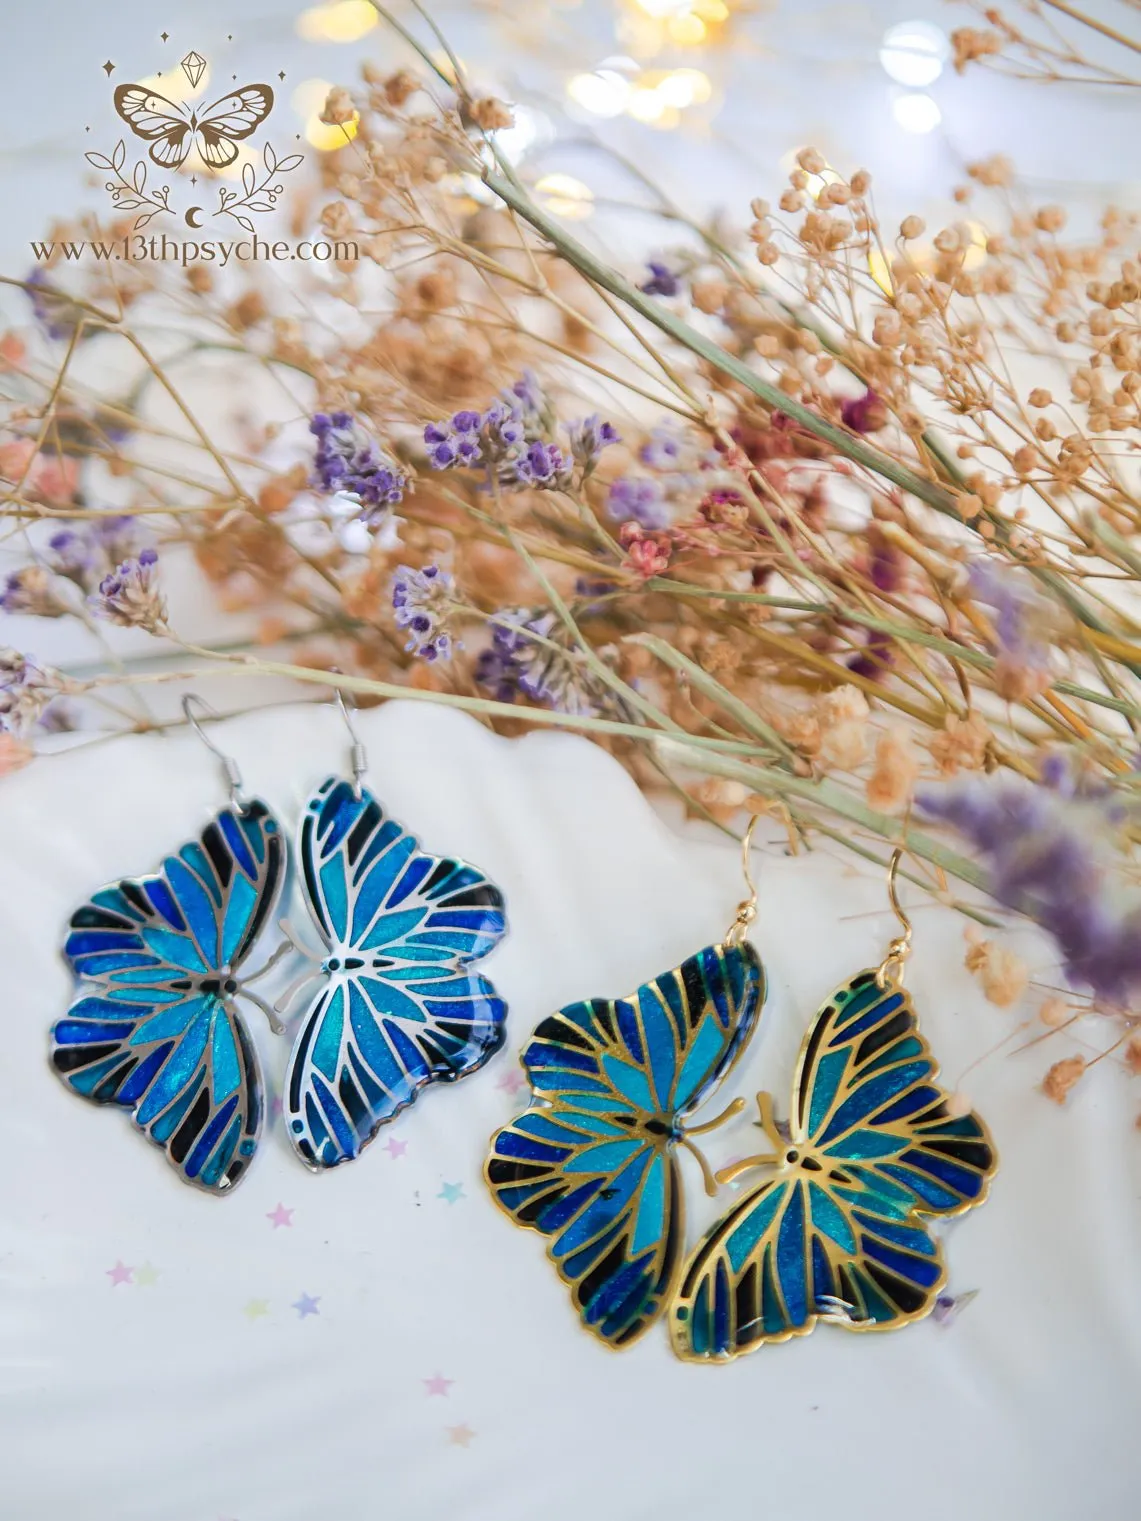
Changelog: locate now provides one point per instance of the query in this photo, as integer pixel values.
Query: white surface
(166, 1402)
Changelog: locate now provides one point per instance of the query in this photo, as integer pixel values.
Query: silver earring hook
(229, 764)
(359, 755)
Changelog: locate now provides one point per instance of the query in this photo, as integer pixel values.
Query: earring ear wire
(229, 764)
(358, 754)
(747, 908)
(889, 973)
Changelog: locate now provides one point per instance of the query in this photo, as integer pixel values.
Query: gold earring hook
(890, 970)
(229, 764)
(747, 908)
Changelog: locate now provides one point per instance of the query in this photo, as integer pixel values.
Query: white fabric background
(163, 1400)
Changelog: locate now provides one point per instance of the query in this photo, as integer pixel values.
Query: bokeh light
(913, 53)
(341, 21)
(916, 112)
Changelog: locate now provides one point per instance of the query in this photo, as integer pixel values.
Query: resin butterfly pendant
(839, 1233)
(154, 1028)
(592, 1165)
(401, 1006)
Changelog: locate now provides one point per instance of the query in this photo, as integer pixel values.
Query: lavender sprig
(351, 464)
(130, 596)
(423, 601)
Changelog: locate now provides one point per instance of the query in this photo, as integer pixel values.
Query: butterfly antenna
(291, 992)
(768, 1124)
(726, 1114)
(295, 940)
(286, 948)
(709, 1177)
(275, 1024)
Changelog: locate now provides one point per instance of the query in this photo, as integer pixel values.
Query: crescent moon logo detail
(191, 215)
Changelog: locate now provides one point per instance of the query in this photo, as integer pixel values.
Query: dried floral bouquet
(822, 517)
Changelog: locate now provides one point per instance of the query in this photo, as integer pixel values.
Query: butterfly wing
(591, 1164)
(403, 1006)
(152, 1029)
(230, 120)
(840, 1231)
(152, 117)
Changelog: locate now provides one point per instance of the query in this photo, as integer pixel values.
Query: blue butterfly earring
(154, 1027)
(401, 1006)
(592, 1164)
(872, 1150)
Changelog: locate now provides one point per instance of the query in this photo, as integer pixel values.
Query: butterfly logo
(172, 130)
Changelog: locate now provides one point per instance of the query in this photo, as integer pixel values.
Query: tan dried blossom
(719, 797)
(1053, 1012)
(970, 44)
(843, 716)
(1001, 972)
(1062, 1076)
(962, 745)
(1132, 1054)
(338, 108)
(490, 115)
(247, 311)
(892, 781)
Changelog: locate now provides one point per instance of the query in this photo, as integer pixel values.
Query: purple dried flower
(526, 396)
(863, 414)
(1045, 859)
(876, 658)
(26, 689)
(663, 450)
(541, 466)
(350, 463)
(662, 280)
(588, 438)
(527, 657)
(423, 601)
(640, 499)
(30, 590)
(130, 595)
(1019, 613)
(73, 553)
(56, 315)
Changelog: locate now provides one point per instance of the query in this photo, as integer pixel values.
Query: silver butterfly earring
(400, 1006)
(154, 1027)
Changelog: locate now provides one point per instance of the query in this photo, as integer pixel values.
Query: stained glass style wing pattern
(839, 1232)
(402, 1006)
(153, 1028)
(591, 1165)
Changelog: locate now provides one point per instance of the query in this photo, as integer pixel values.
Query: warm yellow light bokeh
(341, 21)
(565, 196)
(328, 136)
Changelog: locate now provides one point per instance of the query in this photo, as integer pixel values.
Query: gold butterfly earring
(870, 1153)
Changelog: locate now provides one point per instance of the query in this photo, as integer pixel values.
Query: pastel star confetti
(146, 1276)
(438, 1384)
(306, 1305)
(396, 1148)
(460, 1436)
(280, 1216)
(256, 1309)
(451, 1192)
(512, 1080)
(120, 1273)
